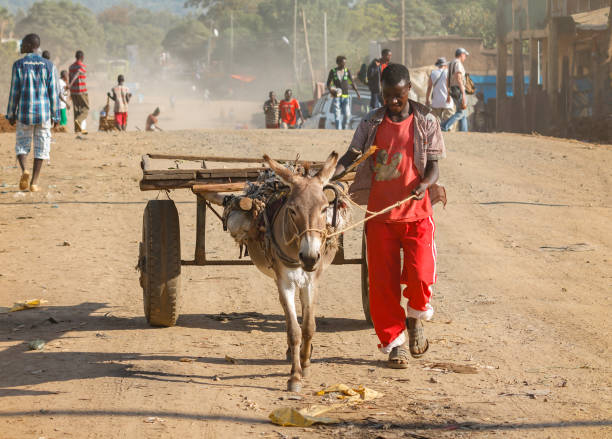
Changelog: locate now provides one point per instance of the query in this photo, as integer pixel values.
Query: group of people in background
(446, 90)
(447, 86)
(285, 114)
(39, 99)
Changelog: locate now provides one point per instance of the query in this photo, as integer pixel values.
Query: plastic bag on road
(292, 417)
(26, 304)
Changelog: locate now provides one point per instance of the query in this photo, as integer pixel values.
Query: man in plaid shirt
(33, 105)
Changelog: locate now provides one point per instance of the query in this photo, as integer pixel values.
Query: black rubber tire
(160, 262)
(365, 281)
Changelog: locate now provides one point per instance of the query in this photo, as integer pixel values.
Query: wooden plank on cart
(226, 159)
(180, 174)
(227, 187)
(161, 184)
(168, 172)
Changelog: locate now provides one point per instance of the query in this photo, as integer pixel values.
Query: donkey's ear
(328, 169)
(283, 173)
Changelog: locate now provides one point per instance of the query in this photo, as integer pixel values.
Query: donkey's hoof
(294, 386)
(305, 371)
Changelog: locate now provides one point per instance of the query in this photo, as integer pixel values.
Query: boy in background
(63, 98)
(270, 109)
(151, 124)
(121, 95)
(289, 109)
(78, 92)
(338, 82)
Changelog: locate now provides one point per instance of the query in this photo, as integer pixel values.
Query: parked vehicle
(323, 115)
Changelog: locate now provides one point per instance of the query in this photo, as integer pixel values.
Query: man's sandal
(24, 181)
(398, 357)
(416, 337)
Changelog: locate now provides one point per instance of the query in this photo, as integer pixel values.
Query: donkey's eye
(292, 212)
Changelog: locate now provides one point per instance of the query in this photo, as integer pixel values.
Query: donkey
(295, 255)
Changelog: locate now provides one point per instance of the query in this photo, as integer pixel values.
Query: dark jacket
(374, 74)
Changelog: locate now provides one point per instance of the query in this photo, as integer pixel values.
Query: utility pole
(295, 66)
(231, 41)
(403, 32)
(325, 43)
(209, 51)
(307, 45)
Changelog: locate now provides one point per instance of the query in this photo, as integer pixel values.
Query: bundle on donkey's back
(284, 220)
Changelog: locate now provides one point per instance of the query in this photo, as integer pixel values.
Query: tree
(8, 54)
(63, 28)
(6, 22)
(473, 20)
(187, 40)
(126, 25)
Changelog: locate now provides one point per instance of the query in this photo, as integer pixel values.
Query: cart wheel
(365, 282)
(160, 262)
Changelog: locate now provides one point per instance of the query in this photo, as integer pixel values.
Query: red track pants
(384, 242)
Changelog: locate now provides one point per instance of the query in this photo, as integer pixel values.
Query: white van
(323, 115)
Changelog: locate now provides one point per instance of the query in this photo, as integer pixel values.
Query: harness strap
(272, 244)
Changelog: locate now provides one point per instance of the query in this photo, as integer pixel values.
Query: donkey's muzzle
(309, 262)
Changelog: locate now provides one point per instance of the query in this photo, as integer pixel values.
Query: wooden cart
(160, 250)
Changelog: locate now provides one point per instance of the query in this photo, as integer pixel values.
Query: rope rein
(368, 218)
(324, 233)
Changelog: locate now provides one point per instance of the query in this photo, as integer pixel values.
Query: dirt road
(523, 299)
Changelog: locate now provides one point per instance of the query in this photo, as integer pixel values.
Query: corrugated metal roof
(592, 20)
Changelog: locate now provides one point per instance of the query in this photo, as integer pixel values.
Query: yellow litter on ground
(27, 304)
(358, 394)
(292, 417)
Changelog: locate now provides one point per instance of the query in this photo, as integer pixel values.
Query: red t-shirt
(395, 175)
(383, 67)
(288, 111)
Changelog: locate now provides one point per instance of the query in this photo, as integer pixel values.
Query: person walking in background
(456, 87)
(47, 55)
(121, 95)
(377, 66)
(437, 89)
(289, 109)
(33, 105)
(78, 92)
(271, 111)
(340, 77)
(63, 98)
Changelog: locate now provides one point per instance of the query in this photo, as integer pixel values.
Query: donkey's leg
(309, 326)
(286, 290)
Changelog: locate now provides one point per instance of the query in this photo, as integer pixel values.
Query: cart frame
(199, 180)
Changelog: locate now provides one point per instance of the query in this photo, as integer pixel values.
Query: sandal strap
(399, 353)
